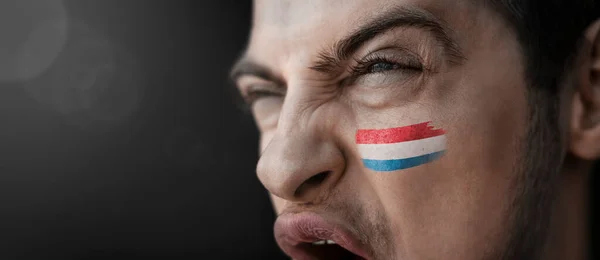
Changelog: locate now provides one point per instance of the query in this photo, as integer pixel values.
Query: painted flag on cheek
(393, 149)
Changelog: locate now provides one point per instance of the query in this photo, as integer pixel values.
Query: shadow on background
(119, 138)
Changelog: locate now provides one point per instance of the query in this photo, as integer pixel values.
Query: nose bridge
(300, 161)
(297, 112)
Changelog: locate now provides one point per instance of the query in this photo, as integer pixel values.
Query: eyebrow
(247, 66)
(330, 60)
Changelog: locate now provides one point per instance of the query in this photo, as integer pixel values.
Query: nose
(301, 163)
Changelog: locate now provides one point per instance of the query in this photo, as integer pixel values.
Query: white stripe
(402, 150)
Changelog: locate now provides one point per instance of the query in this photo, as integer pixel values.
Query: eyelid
(254, 92)
(401, 56)
(250, 82)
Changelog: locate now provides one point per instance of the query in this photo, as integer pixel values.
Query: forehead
(287, 12)
(282, 28)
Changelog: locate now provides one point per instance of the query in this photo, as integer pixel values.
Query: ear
(585, 112)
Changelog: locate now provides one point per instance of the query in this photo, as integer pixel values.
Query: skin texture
(512, 182)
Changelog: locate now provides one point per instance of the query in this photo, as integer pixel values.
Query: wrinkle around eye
(391, 88)
(399, 78)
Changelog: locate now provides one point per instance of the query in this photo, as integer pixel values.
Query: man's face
(318, 71)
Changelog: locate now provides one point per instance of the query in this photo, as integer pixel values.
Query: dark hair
(549, 32)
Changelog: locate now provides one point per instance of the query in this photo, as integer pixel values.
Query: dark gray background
(130, 146)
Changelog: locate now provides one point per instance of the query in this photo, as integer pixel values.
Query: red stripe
(396, 135)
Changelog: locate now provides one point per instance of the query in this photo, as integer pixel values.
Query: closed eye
(255, 93)
(382, 64)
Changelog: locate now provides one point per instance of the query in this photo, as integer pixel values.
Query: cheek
(278, 204)
(265, 138)
(266, 112)
(459, 202)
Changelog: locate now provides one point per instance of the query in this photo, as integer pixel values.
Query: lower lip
(296, 229)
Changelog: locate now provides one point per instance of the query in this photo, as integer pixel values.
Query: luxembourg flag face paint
(393, 149)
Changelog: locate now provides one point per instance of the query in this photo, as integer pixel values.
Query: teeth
(323, 242)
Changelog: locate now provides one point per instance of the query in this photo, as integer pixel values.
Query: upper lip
(292, 231)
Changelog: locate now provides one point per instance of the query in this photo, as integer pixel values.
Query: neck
(568, 238)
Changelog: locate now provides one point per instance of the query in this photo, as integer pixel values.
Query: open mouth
(309, 236)
(327, 249)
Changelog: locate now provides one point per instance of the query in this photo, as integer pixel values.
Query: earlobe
(585, 136)
(585, 109)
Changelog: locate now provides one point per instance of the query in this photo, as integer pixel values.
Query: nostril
(317, 179)
(312, 183)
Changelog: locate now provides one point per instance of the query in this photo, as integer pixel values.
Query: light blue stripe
(401, 164)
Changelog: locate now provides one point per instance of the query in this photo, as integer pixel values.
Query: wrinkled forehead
(282, 27)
